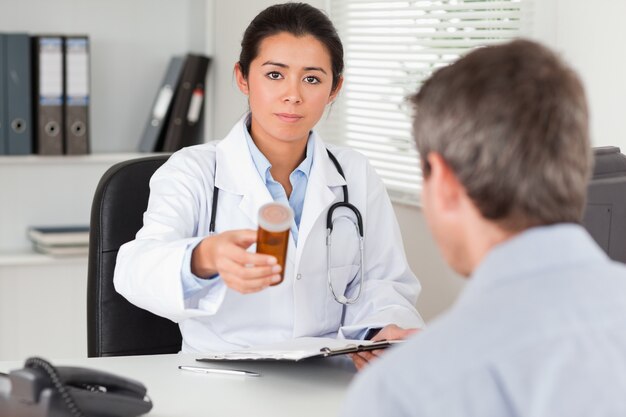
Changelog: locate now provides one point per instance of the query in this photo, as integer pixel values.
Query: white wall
(590, 36)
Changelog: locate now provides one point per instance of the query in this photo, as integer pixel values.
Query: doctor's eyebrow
(278, 64)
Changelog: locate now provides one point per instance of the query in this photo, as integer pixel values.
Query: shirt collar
(263, 165)
(530, 252)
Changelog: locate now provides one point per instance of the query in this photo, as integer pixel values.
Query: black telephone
(41, 390)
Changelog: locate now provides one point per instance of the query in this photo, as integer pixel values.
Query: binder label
(51, 72)
(77, 59)
(162, 102)
(195, 105)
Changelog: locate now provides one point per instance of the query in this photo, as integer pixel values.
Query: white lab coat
(214, 317)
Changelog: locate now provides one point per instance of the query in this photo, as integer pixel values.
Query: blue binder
(3, 124)
(17, 95)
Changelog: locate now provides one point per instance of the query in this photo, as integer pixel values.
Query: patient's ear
(445, 188)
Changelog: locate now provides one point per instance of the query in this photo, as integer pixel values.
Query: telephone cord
(66, 396)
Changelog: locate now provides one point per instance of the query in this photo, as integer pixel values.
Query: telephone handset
(42, 390)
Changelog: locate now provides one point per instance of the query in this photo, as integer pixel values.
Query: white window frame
(390, 48)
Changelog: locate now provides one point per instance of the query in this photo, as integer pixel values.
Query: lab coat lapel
(237, 174)
(319, 194)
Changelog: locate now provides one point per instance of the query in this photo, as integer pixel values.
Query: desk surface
(309, 388)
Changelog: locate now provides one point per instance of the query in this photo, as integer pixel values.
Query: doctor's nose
(292, 98)
(292, 95)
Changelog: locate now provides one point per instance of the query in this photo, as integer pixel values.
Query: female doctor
(208, 279)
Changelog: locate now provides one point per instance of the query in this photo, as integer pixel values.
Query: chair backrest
(115, 326)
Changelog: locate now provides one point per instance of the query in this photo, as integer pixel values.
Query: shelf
(30, 258)
(49, 190)
(99, 158)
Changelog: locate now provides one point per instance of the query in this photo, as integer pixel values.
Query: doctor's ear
(335, 92)
(242, 81)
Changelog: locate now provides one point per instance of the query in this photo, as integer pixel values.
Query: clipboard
(298, 349)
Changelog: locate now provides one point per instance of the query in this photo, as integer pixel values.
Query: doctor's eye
(274, 75)
(311, 80)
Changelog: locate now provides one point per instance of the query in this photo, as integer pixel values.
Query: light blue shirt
(540, 331)
(299, 179)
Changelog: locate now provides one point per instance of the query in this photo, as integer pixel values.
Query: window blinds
(390, 48)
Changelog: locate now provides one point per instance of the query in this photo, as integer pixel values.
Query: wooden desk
(310, 388)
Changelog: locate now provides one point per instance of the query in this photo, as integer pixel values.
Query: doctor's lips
(289, 117)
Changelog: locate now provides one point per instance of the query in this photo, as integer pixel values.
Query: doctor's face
(288, 86)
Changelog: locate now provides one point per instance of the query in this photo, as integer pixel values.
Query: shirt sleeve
(191, 282)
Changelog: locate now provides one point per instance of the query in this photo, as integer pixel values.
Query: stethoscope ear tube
(357, 213)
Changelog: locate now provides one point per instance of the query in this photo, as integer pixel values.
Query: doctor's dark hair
(512, 123)
(298, 19)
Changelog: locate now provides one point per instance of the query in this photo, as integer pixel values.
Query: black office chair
(114, 326)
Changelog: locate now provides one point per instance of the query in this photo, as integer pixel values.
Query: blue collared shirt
(539, 330)
(299, 179)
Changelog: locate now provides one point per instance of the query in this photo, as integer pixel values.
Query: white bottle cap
(275, 217)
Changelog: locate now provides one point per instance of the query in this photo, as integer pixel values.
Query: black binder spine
(185, 124)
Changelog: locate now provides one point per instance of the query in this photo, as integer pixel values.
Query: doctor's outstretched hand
(389, 332)
(226, 254)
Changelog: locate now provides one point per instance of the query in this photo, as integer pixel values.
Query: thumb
(245, 238)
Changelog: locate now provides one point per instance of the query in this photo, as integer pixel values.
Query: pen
(218, 371)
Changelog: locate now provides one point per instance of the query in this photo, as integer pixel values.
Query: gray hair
(512, 123)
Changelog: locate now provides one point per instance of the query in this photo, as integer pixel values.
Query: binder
(17, 94)
(153, 134)
(59, 235)
(48, 94)
(3, 132)
(76, 125)
(184, 127)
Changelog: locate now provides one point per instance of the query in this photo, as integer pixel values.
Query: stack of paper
(60, 240)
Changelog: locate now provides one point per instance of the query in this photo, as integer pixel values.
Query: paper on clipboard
(298, 349)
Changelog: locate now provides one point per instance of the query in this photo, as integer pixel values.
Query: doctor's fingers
(255, 259)
(246, 286)
(246, 270)
(359, 361)
(249, 277)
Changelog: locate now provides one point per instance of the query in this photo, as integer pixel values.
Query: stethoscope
(358, 224)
